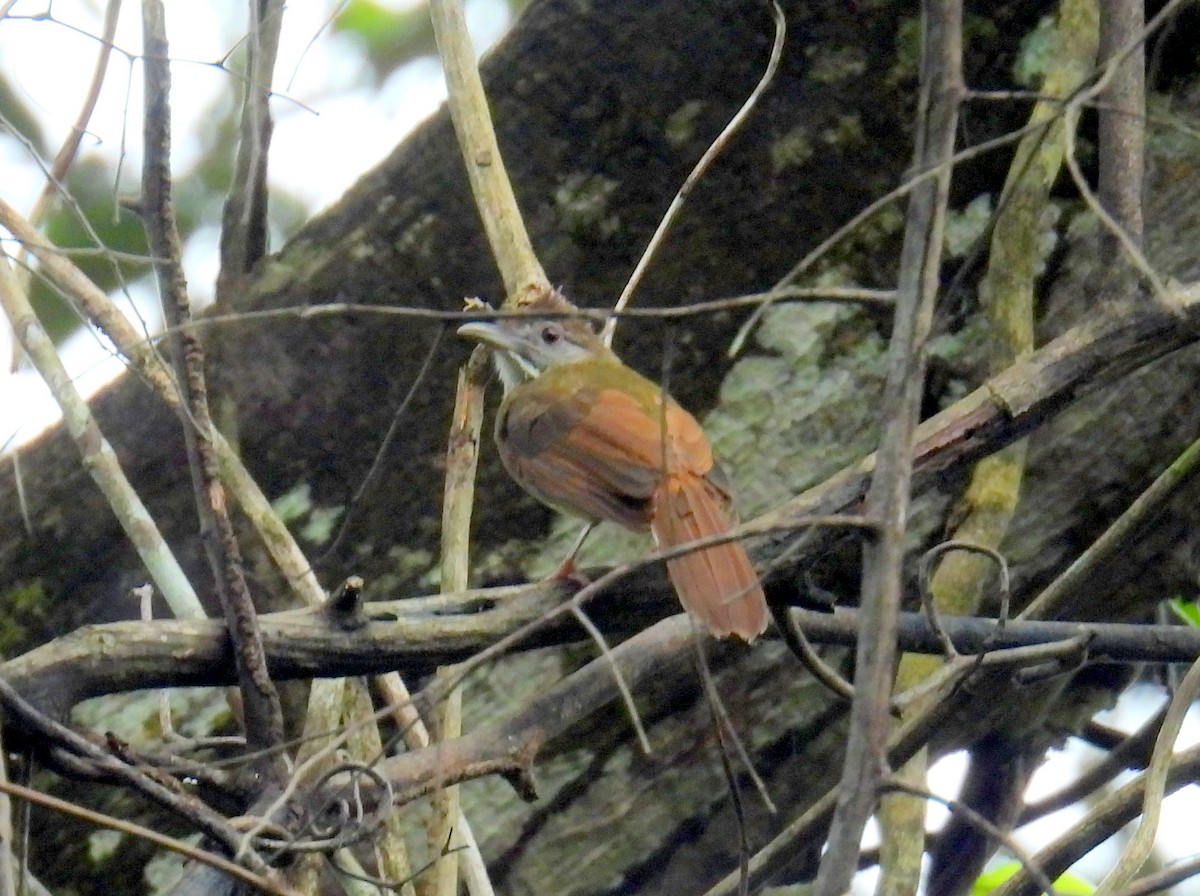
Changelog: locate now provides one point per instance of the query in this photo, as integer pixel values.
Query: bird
(585, 433)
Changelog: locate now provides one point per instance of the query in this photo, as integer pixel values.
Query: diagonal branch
(97, 453)
(1104, 820)
(169, 796)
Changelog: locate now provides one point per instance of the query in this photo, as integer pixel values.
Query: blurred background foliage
(391, 38)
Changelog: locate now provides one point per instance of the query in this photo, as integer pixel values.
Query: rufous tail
(717, 585)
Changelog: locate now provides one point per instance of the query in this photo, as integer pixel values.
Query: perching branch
(403, 635)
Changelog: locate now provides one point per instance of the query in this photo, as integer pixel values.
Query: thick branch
(301, 644)
(1096, 353)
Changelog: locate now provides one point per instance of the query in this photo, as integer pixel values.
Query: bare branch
(244, 219)
(65, 156)
(889, 495)
(98, 456)
(260, 701)
(519, 267)
(710, 155)
(450, 830)
(259, 881)
(1155, 778)
(1104, 819)
(1059, 597)
(1131, 752)
(1122, 134)
(302, 644)
(172, 798)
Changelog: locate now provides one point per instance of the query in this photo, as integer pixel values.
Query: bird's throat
(512, 369)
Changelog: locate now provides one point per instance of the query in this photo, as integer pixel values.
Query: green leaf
(16, 115)
(1068, 884)
(390, 37)
(90, 184)
(1185, 610)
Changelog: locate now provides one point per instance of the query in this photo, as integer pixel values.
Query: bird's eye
(551, 334)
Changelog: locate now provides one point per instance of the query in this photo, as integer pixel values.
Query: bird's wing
(597, 452)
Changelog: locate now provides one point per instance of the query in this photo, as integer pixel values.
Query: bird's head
(526, 346)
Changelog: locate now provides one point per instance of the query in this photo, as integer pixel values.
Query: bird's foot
(569, 574)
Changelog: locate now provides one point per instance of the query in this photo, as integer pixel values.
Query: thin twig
(725, 730)
(382, 452)
(1057, 597)
(976, 820)
(915, 181)
(1132, 250)
(174, 799)
(54, 804)
(710, 155)
(875, 298)
(65, 157)
(1116, 69)
(635, 718)
(731, 781)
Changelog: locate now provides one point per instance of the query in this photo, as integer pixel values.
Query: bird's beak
(490, 334)
(507, 353)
